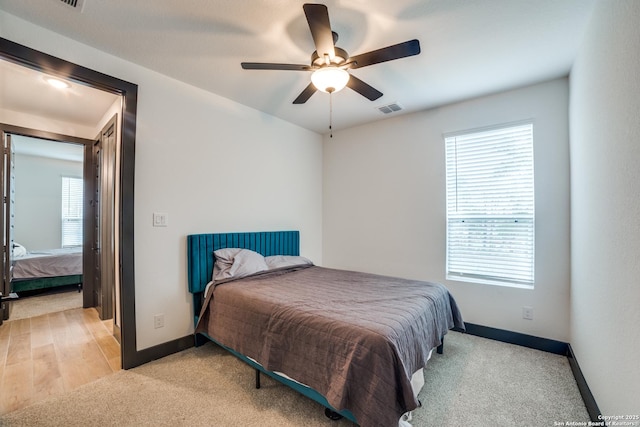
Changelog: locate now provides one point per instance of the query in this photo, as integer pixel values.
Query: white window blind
(72, 194)
(490, 206)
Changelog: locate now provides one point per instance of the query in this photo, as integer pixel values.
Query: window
(71, 211)
(490, 206)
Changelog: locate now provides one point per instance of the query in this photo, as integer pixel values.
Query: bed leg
(257, 378)
(440, 348)
(332, 415)
(200, 340)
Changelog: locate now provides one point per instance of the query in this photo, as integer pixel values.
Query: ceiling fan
(330, 63)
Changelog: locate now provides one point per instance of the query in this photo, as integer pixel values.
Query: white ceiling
(26, 91)
(469, 47)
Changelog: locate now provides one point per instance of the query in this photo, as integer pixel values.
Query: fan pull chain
(331, 114)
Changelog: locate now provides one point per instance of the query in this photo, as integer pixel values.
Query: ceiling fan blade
(268, 66)
(318, 19)
(389, 53)
(363, 88)
(306, 94)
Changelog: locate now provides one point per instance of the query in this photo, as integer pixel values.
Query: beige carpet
(36, 305)
(477, 382)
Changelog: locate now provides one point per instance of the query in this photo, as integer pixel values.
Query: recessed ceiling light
(57, 83)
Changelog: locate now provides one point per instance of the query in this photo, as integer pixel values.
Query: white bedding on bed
(48, 263)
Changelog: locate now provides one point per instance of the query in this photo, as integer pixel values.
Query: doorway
(75, 344)
(46, 225)
(42, 62)
(60, 219)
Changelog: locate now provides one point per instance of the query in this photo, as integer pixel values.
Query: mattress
(356, 338)
(48, 263)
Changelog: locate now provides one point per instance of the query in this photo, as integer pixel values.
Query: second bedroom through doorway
(47, 226)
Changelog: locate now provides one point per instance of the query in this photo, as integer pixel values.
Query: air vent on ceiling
(390, 108)
(78, 5)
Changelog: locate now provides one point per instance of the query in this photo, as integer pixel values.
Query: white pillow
(19, 250)
(234, 263)
(280, 261)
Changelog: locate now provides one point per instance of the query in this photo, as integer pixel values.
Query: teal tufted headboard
(200, 249)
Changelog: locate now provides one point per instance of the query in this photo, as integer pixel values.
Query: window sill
(466, 279)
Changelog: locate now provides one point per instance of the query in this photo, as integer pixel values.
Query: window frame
(520, 220)
(67, 219)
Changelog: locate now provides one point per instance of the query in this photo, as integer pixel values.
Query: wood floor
(53, 353)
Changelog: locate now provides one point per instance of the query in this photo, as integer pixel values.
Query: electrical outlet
(527, 313)
(158, 321)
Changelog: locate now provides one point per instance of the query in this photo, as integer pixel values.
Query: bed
(46, 269)
(366, 337)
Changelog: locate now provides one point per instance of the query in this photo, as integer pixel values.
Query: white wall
(213, 165)
(605, 208)
(38, 195)
(384, 203)
(35, 121)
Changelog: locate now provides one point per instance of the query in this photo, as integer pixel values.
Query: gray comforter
(356, 338)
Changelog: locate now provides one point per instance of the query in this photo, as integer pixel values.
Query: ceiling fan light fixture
(330, 63)
(330, 79)
(57, 83)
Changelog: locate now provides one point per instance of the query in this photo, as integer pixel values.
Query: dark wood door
(104, 241)
(7, 192)
(97, 229)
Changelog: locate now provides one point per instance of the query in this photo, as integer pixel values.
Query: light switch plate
(160, 219)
